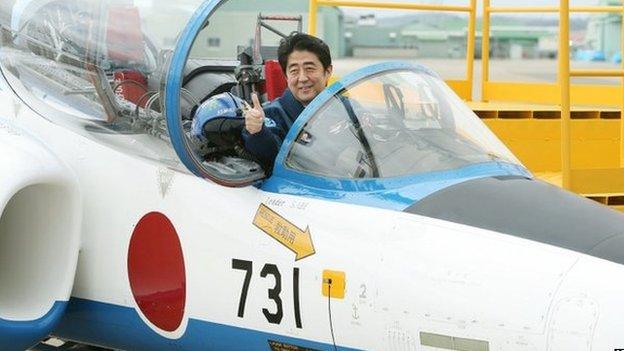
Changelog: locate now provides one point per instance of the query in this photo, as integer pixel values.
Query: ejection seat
(275, 80)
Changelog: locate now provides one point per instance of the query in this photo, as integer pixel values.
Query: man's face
(306, 76)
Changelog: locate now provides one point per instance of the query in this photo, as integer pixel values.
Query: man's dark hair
(303, 42)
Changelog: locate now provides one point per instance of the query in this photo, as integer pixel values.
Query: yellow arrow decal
(296, 240)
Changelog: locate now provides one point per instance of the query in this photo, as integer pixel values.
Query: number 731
(273, 293)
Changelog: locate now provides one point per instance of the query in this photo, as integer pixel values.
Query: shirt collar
(292, 106)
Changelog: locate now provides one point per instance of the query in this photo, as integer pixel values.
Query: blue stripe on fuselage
(387, 193)
(20, 335)
(119, 327)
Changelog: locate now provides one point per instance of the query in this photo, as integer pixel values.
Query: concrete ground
(53, 344)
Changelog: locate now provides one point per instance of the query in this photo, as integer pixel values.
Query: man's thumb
(256, 102)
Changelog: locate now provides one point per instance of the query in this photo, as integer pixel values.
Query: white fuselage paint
(405, 274)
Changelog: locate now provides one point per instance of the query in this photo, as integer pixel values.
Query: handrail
(597, 73)
(471, 10)
(470, 46)
(394, 5)
(564, 72)
(485, 41)
(622, 111)
(554, 9)
(564, 14)
(564, 85)
(485, 47)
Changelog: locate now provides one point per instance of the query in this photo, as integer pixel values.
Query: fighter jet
(133, 218)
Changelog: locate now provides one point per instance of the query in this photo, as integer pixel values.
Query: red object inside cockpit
(275, 80)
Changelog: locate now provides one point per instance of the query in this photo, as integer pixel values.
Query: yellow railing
(554, 9)
(563, 78)
(488, 10)
(564, 72)
(462, 87)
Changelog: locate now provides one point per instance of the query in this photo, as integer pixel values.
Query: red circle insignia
(156, 271)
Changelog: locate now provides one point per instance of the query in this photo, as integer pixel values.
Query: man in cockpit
(306, 62)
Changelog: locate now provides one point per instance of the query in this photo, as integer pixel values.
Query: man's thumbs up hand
(254, 116)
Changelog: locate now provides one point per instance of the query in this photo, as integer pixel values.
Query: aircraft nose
(533, 210)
